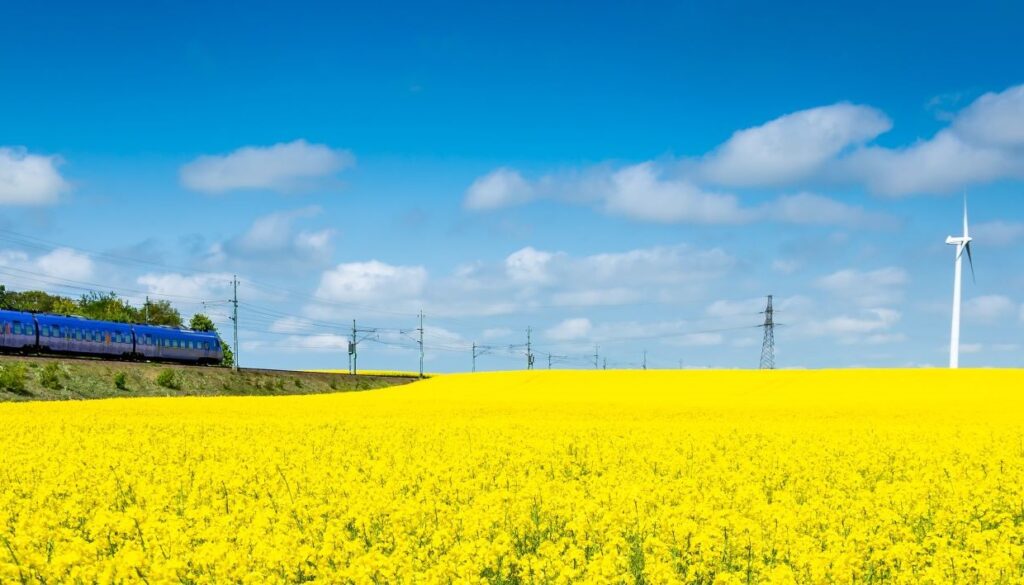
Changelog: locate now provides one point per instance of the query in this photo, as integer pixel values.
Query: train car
(77, 335)
(17, 331)
(182, 345)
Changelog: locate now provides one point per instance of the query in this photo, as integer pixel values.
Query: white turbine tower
(962, 243)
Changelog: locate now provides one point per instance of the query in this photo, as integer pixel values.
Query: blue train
(43, 333)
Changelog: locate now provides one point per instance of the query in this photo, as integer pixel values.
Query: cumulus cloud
(792, 147)
(371, 281)
(995, 119)
(870, 326)
(502, 187)
(982, 144)
(29, 179)
(640, 192)
(280, 167)
(812, 209)
(827, 145)
(66, 263)
(275, 239)
(939, 165)
(880, 287)
(656, 192)
(570, 330)
(989, 308)
(528, 265)
(205, 286)
(60, 263)
(998, 233)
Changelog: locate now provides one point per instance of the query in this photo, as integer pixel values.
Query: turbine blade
(970, 260)
(966, 234)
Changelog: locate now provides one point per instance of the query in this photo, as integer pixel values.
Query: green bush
(121, 381)
(13, 377)
(50, 376)
(168, 379)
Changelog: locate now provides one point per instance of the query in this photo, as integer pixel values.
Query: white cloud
(60, 263)
(785, 266)
(29, 179)
(995, 119)
(831, 144)
(371, 281)
(66, 263)
(291, 325)
(570, 330)
(528, 265)
(870, 326)
(812, 209)
(792, 147)
(641, 192)
(971, 347)
(988, 308)
(280, 167)
(496, 333)
(502, 187)
(940, 165)
(868, 288)
(207, 286)
(998, 233)
(698, 340)
(660, 193)
(274, 238)
(982, 144)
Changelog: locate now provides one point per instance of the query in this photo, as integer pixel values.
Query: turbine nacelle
(958, 240)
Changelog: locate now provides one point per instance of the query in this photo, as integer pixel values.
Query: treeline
(107, 307)
(93, 305)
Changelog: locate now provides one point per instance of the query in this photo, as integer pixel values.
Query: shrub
(50, 376)
(121, 381)
(13, 377)
(168, 379)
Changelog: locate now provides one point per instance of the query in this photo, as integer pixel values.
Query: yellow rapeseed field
(529, 477)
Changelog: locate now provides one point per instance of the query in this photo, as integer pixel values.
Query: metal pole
(474, 357)
(529, 350)
(421, 343)
(234, 319)
(645, 359)
(353, 352)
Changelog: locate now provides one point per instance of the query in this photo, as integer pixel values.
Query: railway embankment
(25, 378)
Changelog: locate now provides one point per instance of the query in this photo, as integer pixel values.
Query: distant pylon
(768, 345)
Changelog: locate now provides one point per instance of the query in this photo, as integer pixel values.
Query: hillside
(45, 378)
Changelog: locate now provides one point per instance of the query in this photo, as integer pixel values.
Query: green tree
(229, 356)
(160, 313)
(106, 307)
(31, 300)
(201, 322)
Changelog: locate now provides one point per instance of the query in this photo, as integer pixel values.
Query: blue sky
(632, 177)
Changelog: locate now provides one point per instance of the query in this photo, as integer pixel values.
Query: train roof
(71, 321)
(173, 332)
(8, 314)
(76, 321)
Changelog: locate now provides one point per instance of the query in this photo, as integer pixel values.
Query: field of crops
(529, 477)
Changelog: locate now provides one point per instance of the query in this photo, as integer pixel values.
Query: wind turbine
(962, 243)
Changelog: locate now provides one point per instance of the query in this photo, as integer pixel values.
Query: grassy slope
(79, 379)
